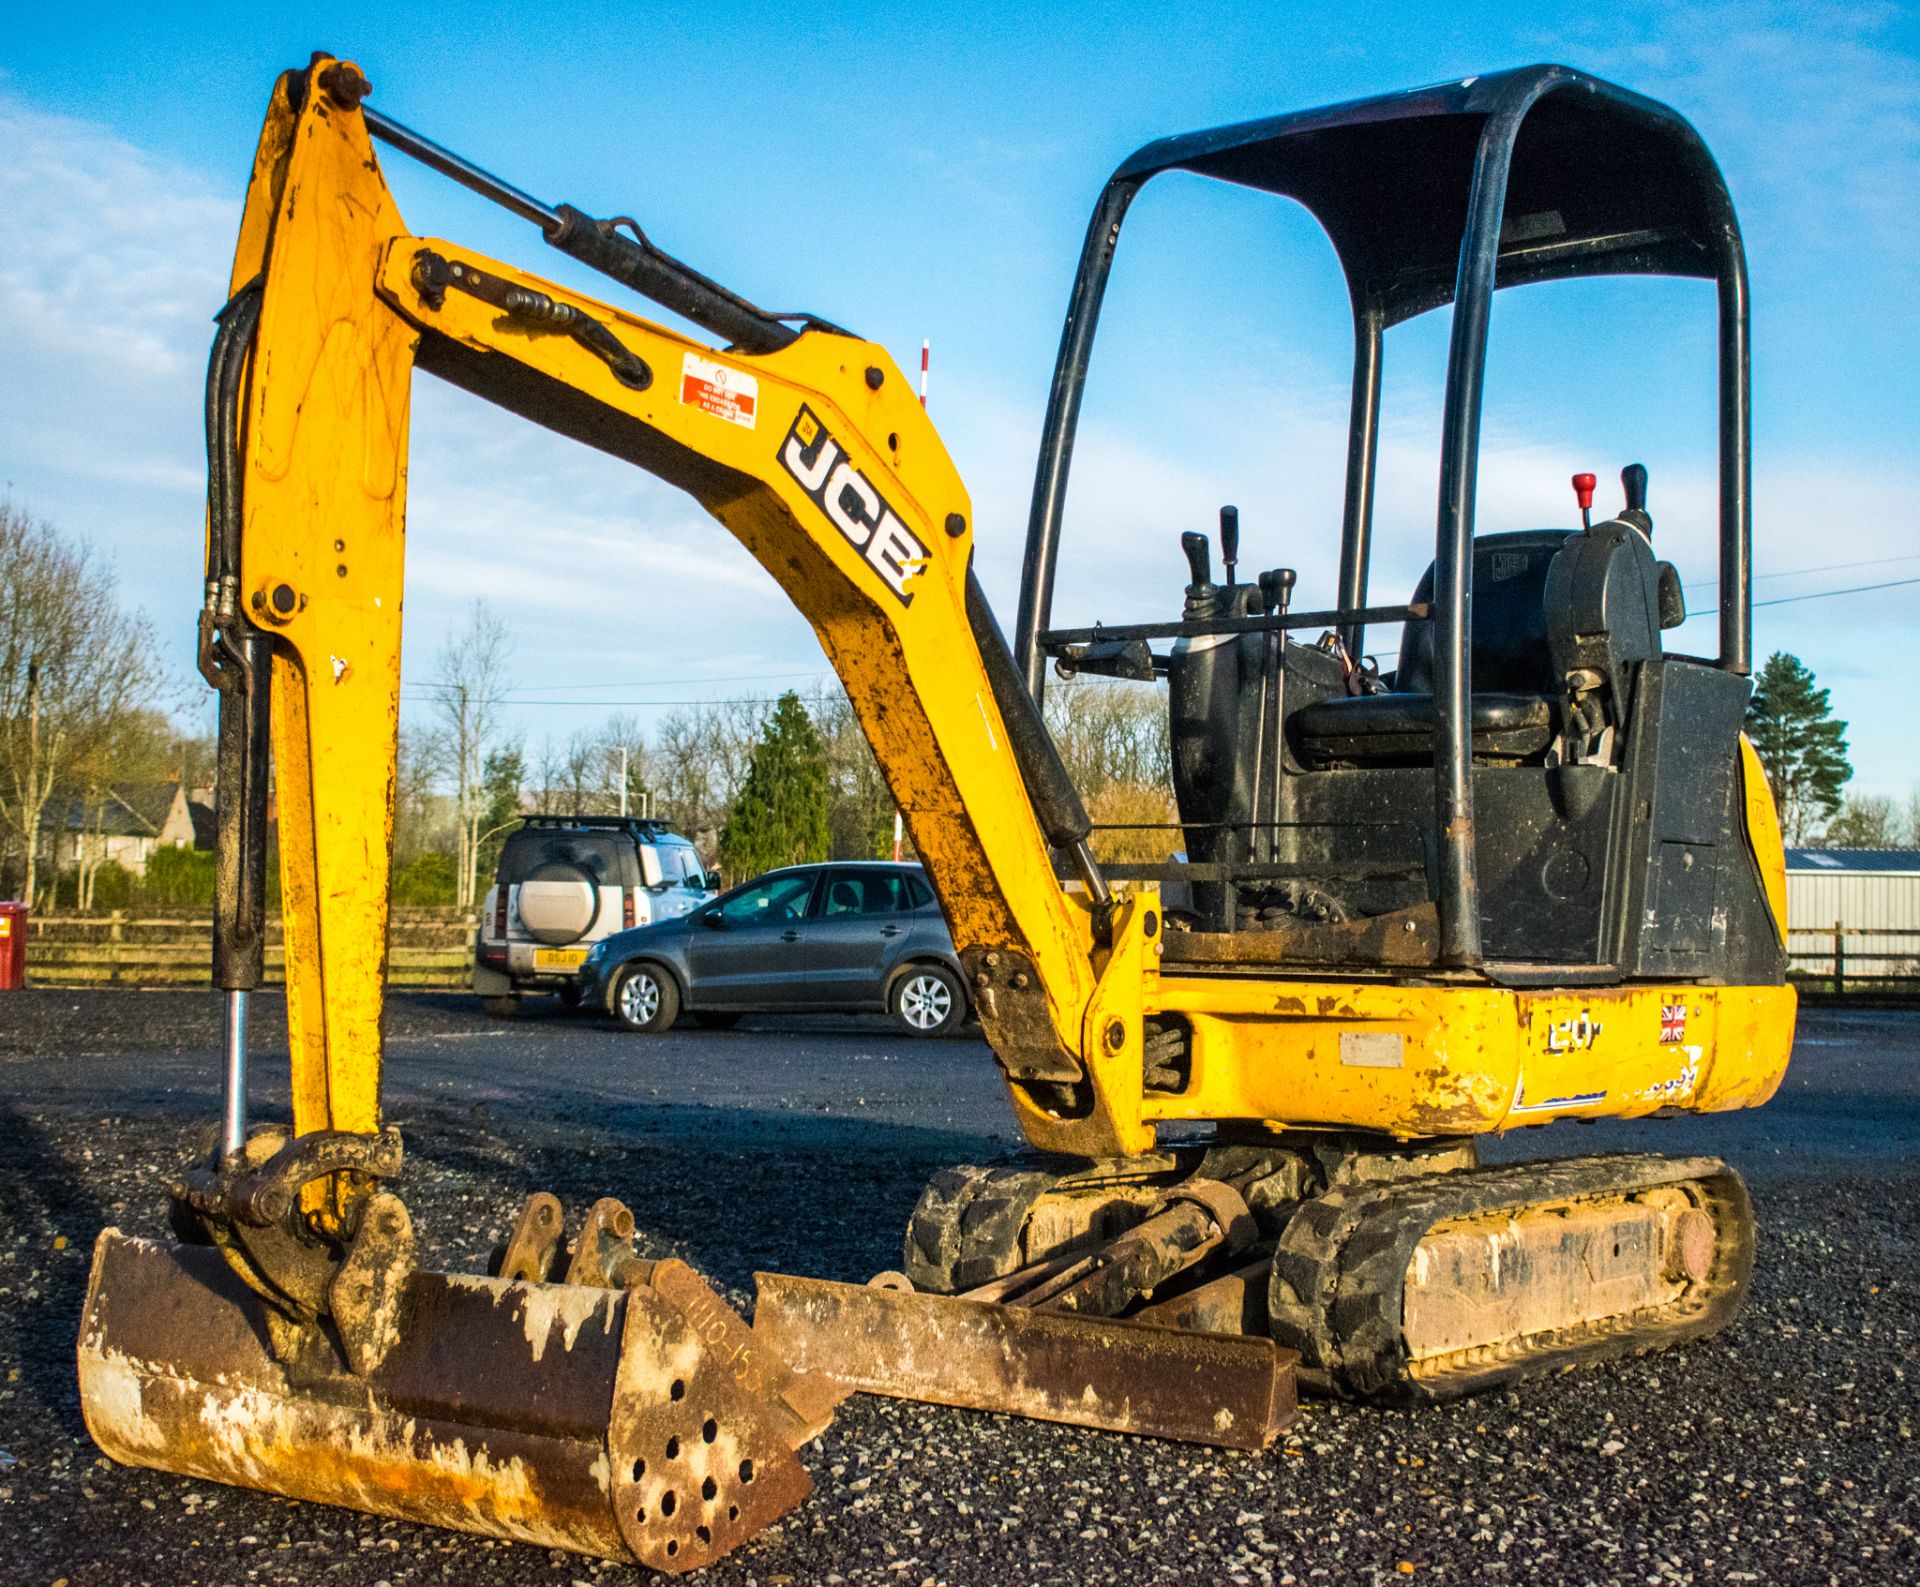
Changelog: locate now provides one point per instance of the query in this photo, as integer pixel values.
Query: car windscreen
(608, 857)
(680, 866)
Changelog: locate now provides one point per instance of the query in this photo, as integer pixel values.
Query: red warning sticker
(724, 392)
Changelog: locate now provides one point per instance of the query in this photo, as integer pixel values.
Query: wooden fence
(425, 948)
(1842, 958)
(434, 948)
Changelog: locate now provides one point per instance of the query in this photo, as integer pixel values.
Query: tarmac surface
(1781, 1451)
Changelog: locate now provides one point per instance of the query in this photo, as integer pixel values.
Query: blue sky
(928, 174)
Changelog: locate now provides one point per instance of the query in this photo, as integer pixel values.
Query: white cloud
(1280, 458)
(112, 262)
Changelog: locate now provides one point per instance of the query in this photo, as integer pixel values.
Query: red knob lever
(1583, 490)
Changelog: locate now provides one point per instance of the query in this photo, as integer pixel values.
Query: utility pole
(623, 779)
(31, 837)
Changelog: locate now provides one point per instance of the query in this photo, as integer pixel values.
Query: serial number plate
(559, 958)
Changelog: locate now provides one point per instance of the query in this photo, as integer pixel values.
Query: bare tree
(469, 687)
(73, 665)
(860, 808)
(1866, 821)
(1114, 739)
(697, 763)
(582, 777)
(1110, 732)
(570, 775)
(422, 815)
(138, 746)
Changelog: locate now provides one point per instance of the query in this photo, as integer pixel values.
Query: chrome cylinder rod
(233, 1119)
(465, 172)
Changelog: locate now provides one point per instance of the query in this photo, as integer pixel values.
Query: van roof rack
(640, 826)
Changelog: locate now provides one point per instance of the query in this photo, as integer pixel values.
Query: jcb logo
(848, 498)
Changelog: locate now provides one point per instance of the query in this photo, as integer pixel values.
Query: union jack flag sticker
(1673, 1022)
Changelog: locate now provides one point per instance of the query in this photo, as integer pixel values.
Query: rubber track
(1339, 1275)
(966, 1227)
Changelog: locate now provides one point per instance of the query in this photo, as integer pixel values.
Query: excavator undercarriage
(1531, 873)
(1396, 1275)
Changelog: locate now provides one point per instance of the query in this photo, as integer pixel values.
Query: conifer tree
(500, 787)
(1802, 747)
(780, 816)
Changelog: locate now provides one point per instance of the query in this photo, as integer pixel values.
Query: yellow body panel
(1763, 833)
(324, 492)
(1417, 1060)
(821, 462)
(1469, 1060)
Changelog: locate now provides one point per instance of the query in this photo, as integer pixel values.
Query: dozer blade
(1232, 1391)
(643, 1423)
(1430, 1288)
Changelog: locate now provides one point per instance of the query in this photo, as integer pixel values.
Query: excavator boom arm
(815, 454)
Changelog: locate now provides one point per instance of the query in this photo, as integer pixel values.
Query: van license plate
(559, 958)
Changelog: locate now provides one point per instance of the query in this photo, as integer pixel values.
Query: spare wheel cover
(559, 904)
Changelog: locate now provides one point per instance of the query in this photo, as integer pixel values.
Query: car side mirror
(713, 920)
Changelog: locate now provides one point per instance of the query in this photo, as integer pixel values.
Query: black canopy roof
(1603, 182)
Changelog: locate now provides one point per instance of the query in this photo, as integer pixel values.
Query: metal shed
(1854, 914)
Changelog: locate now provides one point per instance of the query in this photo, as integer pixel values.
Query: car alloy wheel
(639, 998)
(645, 999)
(925, 1001)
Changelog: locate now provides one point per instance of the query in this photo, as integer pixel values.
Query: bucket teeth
(636, 1417)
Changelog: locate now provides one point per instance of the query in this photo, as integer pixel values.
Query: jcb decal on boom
(849, 500)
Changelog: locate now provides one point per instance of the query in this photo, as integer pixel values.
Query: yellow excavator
(1531, 873)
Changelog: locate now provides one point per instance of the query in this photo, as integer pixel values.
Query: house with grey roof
(126, 822)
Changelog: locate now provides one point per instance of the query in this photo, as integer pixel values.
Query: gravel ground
(1782, 1451)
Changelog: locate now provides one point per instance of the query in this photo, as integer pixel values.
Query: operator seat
(1515, 689)
(1560, 619)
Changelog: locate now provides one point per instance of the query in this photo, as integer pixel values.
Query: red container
(13, 947)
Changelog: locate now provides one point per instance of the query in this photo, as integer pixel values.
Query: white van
(564, 883)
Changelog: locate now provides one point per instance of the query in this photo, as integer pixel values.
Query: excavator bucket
(638, 1420)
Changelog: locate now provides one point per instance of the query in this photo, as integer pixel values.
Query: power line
(1817, 595)
(1821, 595)
(1841, 567)
(749, 699)
(629, 683)
(1825, 567)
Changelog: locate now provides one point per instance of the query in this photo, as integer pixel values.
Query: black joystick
(1199, 562)
(1276, 589)
(1633, 480)
(1230, 540)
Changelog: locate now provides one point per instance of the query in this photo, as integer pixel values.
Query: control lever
(1230, 540)
(1633, 480)
(1199, 562)
(1583, 493)
(1276, 589)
